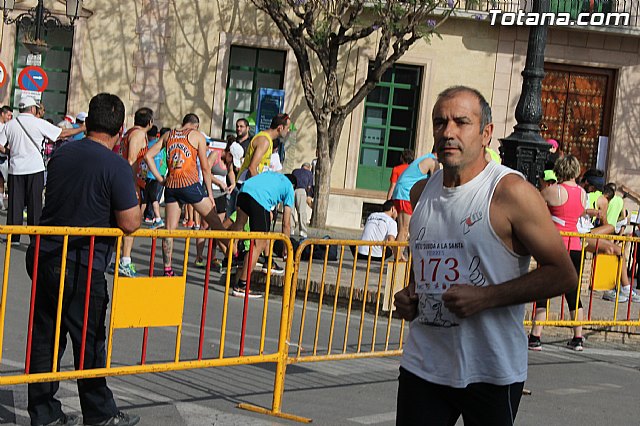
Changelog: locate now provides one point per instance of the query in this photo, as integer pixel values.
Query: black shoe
(120, 419)
(66, 419)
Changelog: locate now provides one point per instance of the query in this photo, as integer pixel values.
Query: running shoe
(242, 291)
(127, 270)
(276, 270)
(200, 263)
(190, 224)
(148, 220)
(157, 224)
(576, 344)
(534, 343)
(169, 273)
(216, 265)
(120, 419)
(624, 296)
(66, 419)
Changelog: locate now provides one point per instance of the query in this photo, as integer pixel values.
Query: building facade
(211, 57)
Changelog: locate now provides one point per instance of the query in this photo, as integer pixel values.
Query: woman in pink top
(567, 202)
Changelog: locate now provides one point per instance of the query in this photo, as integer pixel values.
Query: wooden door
(576, 106)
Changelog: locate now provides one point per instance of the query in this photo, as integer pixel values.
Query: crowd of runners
(233, 184)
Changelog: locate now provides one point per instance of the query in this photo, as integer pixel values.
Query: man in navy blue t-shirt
(88, 185)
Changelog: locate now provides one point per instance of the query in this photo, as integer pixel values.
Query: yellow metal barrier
(599, 271)
(345, 308)
(159, 302)
(363, 295)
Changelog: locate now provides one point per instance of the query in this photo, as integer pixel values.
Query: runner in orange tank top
(134, 147)
(182, 186)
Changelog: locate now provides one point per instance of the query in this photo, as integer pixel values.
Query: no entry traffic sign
(33, 78)
(3, 74)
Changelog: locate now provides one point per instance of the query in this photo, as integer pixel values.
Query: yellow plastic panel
(149, 302)
(606, 272)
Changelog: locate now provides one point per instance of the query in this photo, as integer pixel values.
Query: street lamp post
(525, 149)
(38, 19)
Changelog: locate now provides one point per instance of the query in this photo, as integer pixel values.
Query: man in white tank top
(475, 226)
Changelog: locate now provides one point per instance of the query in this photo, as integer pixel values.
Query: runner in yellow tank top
(258, 156)
(183, 146)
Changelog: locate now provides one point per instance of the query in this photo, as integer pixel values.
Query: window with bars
(249, 70)
(389, 125)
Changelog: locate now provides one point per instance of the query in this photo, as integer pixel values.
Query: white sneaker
(624, 296)
(635, 297)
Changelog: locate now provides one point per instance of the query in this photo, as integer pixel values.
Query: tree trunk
(323, 177)
(328, 137)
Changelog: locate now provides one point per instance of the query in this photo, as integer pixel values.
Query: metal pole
(525, 149)
(39, 19)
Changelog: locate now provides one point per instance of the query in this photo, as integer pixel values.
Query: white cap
(237, 152)
(82, 116)
(26, 102)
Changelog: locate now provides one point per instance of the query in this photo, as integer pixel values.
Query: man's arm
(286, 224)
(416, 192)
(261, 147)
(197, 138)
(603, 205)
(521, 219)
(128, 220)
(428, 165)
(392, 186)
(65, 133)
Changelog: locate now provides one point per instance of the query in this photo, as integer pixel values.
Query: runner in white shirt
(380, 226)
(23, 137)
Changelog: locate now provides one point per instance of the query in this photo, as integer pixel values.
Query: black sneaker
(534, 343)
(576, 344)
(276, 269)
(120, 419)
(66, 419)
(242, 291)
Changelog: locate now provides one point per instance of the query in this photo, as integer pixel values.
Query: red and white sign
(3, 75)
(33, 78)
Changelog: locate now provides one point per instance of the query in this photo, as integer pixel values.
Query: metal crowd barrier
(332, 308)
(599, 272)
(150, 302)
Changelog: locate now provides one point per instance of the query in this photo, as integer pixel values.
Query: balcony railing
(572, 7)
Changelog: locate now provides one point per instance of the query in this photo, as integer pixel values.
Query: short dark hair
(485, 108)
(143, 117)
(5, 109)
(407, 156)
(164, 130)
(153, 131)
(388, 205)
(246, 122)
(609, 190)
(190, 118)
(106, 114)
(279, 120)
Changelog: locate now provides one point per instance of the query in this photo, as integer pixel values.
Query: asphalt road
(596, 387)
